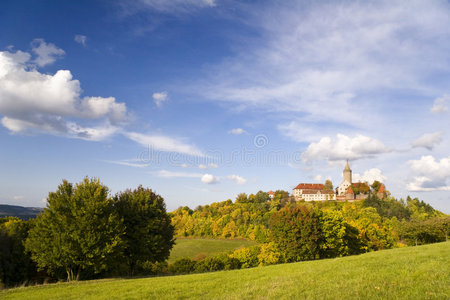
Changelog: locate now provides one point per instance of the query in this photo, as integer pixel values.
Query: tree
(328, 185)
(376, 186)
(16, 266)
(297, 232)
(148, 230)
(79, 230)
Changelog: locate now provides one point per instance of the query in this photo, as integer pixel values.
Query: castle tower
(347, 173)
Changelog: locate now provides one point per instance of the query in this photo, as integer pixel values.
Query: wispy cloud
(80, 39)
(167, 7)
(128, 163)
(159, 98)
(237, 131)
(171, 174)
(440, 105)
(47, 53)
(428, 140)
(163, 143)
(327, 62)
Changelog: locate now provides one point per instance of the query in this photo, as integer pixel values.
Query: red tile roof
(350, 190)
(309, 186)
(382, 188)
(270, 193)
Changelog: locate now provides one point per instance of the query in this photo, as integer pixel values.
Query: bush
(182, 266)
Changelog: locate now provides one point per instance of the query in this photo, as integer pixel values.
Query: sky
(201, 100)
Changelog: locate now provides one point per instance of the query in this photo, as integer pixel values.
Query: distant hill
(21, 212)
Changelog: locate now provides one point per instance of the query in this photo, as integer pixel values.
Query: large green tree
(296, 230)
(78, 231)
(149, 233)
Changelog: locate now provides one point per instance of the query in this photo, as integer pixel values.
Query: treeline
(294, 231)
(85, 233)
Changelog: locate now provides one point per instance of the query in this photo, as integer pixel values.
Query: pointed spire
(347, 167)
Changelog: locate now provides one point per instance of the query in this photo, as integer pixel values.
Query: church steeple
(348, 173)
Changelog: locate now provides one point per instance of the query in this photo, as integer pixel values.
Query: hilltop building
(346, 191)
(313, 192)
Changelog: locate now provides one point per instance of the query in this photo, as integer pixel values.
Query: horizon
(201, 100)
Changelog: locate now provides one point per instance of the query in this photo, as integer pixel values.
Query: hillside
(407, 273)
(21, 212)
(190, 248)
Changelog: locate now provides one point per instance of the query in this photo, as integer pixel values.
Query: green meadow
(421, 272)
(191, 248)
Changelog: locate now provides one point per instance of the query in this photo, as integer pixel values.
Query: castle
(346, 191)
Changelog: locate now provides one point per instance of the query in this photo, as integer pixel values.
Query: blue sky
(203, 99)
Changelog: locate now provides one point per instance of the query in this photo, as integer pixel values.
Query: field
(406, 273)
(192, 247)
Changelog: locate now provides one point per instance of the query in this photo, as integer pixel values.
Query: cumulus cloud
(202, 166)
(163, 143)
(31, 101)
(430, 174)
(18, 197)
(344, 147)
(369, 176)
(209, 179)
(237, 131)
(440, 105)
(80, 39)
(46, 53)
(318, 177)
(237, 179)
(159, 98)
(428, 140)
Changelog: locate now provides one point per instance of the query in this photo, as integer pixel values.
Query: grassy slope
(191, 247)
(408, 273)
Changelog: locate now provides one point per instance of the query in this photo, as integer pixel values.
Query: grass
(190, 248)
(406, 273)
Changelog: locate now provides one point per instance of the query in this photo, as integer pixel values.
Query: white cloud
(163, 143)
(238, 179)
(440, 105)
(321, 60)
(31, 101)
(344, 147)
(128, 163)
(170, 174)
(17, 197)
(428, 140)
(237, 131)
(80, 39)
(369, 176)
(430, 174)
(46, 53)
(318, 177)
(159, 98)
(209, 179)
(169, 7)
(211, 165)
